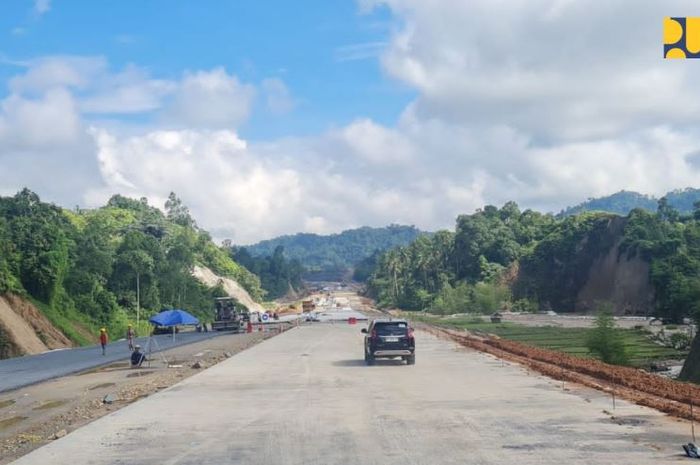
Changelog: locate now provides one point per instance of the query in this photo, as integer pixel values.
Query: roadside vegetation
(278, 275)
(81, 267)
(605, 341)
(508, 259)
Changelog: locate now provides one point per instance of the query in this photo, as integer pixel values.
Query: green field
(641, 348)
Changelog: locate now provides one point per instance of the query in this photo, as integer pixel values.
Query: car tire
(369, 360)
(411, 359)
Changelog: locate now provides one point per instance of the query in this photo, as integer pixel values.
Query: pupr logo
(682, 37)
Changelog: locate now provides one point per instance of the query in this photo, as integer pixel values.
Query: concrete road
(305, 397)
(23, 371)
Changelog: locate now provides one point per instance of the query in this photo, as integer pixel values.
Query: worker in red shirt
(103, 340)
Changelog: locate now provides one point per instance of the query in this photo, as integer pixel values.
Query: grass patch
(6, 403)
(7, 422)
(65, 323)
(641, 348)
(50, 405)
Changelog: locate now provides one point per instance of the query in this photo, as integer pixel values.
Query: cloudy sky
(269, 117)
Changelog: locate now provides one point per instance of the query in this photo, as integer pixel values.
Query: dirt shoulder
(32, 416)
(669, 396)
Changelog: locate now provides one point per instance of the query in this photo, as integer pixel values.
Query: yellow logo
(681, 37)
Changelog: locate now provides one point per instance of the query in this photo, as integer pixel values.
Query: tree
(666, 212)
(605, 341)
(177, 212)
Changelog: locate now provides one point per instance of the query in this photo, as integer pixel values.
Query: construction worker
(103, 340)
(137, 358)
(130, 337)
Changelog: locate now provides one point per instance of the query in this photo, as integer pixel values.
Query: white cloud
(545, 102)
(232, 192)
(96, 87)
(277, 96)
(555, 69)
(211, 99)
(131, 90)
(75, 72)
(43, 146)
(42, 6)
(362, 51)
(49, 121)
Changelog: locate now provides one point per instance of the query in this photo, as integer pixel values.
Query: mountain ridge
(623, 202)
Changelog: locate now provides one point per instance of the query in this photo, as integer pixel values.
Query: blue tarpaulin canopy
(173, 318)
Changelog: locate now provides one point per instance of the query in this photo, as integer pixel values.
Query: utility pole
(138, 302)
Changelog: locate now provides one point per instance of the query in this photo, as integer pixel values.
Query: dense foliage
(508, 259)
(337, 251)
(624, 202)
(81, 267)
(278, 275)
(671, 243)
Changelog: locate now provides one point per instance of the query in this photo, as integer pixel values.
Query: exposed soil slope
(235, 290)
(620, 280)
(28, 331)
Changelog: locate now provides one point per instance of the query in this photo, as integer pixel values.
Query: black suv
(388, 339)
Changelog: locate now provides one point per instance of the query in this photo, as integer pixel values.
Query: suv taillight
(373, 335)
(410, 333)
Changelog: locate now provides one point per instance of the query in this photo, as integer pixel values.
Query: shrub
(680, 341)
(605, 341)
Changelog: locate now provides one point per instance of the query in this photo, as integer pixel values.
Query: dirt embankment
(26, 329)
(620, 280)
(663, 394)
(235, 290)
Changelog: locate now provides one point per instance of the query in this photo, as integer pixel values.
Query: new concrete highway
(306, 397)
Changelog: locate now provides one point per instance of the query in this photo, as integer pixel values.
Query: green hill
(337, 252)
(624, 202)
(644, 263)
(80, 267)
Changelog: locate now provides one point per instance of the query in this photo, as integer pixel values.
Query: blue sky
(325, 51)
(272, 117)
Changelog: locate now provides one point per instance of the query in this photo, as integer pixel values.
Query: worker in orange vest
(103, 340)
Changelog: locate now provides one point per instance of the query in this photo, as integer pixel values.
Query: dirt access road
(306, 397)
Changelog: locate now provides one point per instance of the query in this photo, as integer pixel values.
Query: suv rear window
(391, 329)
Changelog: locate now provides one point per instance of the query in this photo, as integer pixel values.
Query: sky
(271, 117)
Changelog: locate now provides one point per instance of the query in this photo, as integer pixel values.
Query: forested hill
(624, 202)
(336, 251)
(80, 267)
(504, 258)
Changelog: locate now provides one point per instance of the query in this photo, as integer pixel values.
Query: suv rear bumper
(392, 353)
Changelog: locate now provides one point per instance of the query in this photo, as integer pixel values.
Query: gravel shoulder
(35, 415)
